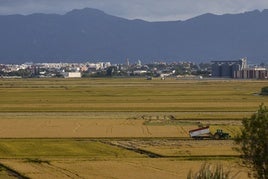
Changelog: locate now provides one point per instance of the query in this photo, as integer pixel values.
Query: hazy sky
(151, 10)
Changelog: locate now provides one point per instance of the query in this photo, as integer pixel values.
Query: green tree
(253, 142)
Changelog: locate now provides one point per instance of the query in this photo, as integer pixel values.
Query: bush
(264, 91)
(207, 171)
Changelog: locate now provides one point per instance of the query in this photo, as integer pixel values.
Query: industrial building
(237, 69)
(252, 73)
(227, 69)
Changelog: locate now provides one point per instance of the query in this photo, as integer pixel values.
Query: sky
(150, 10)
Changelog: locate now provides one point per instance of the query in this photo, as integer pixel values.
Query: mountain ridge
(92, 35)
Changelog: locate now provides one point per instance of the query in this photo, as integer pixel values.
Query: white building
(72, 75)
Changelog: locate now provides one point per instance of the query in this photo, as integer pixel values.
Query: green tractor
(204, 133)
(221, 135)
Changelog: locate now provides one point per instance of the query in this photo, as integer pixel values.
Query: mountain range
(92, 35)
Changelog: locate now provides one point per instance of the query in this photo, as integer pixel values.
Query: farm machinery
(204, 133)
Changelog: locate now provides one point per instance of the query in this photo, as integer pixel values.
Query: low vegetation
(208, 171)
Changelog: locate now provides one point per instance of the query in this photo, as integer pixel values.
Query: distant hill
(87, 34)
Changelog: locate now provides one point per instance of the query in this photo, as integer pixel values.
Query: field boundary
(12, 172)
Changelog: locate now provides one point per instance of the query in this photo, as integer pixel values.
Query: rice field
(123, 168)
(96, 158)
(123, 95)
(120, 128)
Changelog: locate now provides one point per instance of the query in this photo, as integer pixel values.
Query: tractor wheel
(226, 137)
(216, 136)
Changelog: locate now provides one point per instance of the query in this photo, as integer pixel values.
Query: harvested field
(99, 159)
(182, 148)
(123, 168)
(111, 128)
(66, 127)
(106, 158)
(121, 95)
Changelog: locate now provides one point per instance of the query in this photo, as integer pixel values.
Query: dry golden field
(104, 128)
(120, 128)
(114, 168)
